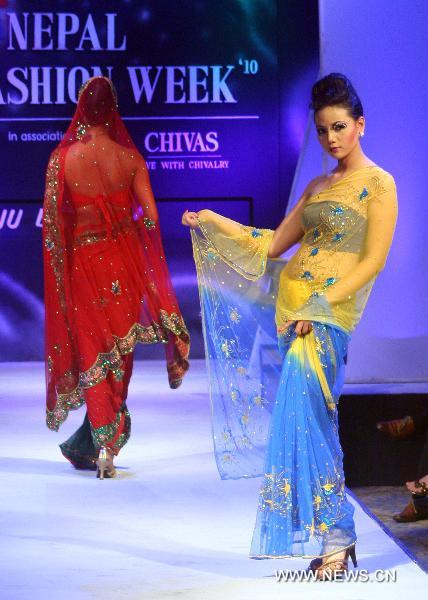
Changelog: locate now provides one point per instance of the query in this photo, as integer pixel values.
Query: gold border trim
(112, 361)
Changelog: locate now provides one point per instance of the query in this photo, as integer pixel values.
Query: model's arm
(290, 230)
(288, 233)
(382, 216)
(142, 191)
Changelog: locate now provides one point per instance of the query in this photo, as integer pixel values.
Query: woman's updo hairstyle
(336, 90)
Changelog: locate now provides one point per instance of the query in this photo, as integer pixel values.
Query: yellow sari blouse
(348, 229)
(246, 299)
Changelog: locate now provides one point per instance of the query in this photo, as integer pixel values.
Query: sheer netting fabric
(275, 394)
(107, 285)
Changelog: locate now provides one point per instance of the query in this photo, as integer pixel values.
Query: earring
(361, 134)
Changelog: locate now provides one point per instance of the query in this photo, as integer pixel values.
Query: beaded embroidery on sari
(274, 394)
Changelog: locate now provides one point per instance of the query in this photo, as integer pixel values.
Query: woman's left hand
(302, 327)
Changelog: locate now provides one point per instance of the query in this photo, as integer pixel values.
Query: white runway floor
(167, 527)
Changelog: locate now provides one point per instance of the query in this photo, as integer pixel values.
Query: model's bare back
(100, 166)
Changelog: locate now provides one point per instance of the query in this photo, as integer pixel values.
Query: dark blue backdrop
(214, 93)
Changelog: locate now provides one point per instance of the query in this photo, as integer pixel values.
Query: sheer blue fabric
(303, 509)
(243, 361)
(274, 400)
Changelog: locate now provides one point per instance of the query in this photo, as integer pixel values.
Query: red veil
(107, 285)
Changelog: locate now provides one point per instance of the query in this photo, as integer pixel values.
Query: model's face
(338, 132)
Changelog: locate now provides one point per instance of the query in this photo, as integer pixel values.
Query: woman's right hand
(190, 219)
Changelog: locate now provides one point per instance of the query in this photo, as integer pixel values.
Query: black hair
(335, 89)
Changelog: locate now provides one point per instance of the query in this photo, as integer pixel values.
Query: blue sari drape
(273, 400)
(303, 509)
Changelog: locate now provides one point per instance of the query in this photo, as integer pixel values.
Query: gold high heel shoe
(334, 568)
(104, 469)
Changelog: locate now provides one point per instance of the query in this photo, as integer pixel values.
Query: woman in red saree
(107, 285)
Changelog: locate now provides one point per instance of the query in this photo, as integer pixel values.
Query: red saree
(107, 285)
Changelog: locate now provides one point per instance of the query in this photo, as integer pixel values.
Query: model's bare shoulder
(315, 185)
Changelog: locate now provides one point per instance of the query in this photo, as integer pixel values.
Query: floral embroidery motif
(363, 194)
(49, 244)
(329, 281)
(81, 130)
(149, 223)
(116, 290)
(258, 400)
(307, 275)
(337, 210)
(276, 496)
(234, 315)
(211, 255)
(235, 395)
(328, 488)
(225, 348)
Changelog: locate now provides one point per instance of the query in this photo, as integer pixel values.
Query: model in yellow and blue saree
(274, 394)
